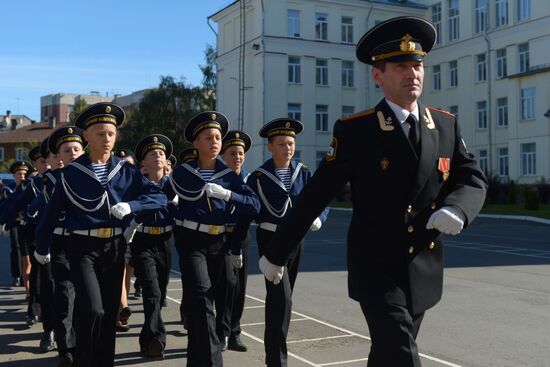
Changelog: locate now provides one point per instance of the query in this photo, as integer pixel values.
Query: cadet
(207, 191)
(412, 180)
(278, 182)
(151, 246)
(232, 287)
(15, 255)
(86, 190)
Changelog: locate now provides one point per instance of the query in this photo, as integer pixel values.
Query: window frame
(502, 112)
(528, 159)
(348, 74)
(321, 118)
(294, 70)
(292, 22)
(321, 27)
(347, 30)
(321, 73)
(481, 115)
(453, 21)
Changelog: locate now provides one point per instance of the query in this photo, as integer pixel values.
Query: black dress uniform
(96, 247)
(200, 228)
(15, 254)
(395, 264)
(276, 203)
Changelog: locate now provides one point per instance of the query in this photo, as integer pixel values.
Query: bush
(543, 190)
(531, 199)
(512, 193)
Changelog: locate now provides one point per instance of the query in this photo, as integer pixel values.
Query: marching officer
(207, 191)
(97, 191)
(412, 180)
(232, 287)
(278, 182)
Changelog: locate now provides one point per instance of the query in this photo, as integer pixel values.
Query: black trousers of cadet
(97, 268)
(15, 254)
(231, 293)
(25, 235)
(278, 304)
(393, 331)
(64, 296)
(46, 296)
(202, 257)
(150, 263)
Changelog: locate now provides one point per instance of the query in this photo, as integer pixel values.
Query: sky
(114, 47)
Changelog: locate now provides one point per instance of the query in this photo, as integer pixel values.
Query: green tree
(79, 106)
(209, 77)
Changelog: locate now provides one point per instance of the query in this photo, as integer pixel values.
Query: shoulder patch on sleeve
(357, 115)
(258, 173)
(441, 111)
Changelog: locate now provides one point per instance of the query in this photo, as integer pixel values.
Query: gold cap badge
(70, 130)
(407, 43)
(237, 135)
(108, 109)
(122, 154)
(213, 116)
(155, 139)
(287, 125)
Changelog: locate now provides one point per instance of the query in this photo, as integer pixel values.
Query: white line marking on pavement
(263, 323)
(318, 339)
(506, 250)
(344, 362)
(250, 307)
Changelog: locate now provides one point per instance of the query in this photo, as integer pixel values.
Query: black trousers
(46, 296)
(15, 254)
(25, 235)
(393, 331)
(202, 256)
(150, 264)
(64, 296)
(278, 304)
(231, 293)
(97, 267)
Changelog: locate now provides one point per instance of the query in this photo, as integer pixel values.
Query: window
(524, 9)
(481, 68)
(436, 21)
(321, 117)
(321, 72)
(528, 159)
(295, 111)
(293, 23)
(348, 110)
(21, 154)
(1, 154)
(347, 29)
(294, 69)
(321, 26)
(501, 12)
(436, 77)
(481, 108)
(501, 63)
(453, 74)
(480, 16)
(523, 50)
(528, 103)
(319, 157)
(502, 112)
(347, 74)
(454, 111)
(482, 160)
(453, 20)
(503, 165)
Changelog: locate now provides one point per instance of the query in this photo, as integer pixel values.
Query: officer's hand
(175, 201)
(216, 191)
(237, 261)
(42, 259)
(130, 231)
(273, 273)
(120, 210)
(446, 220)
(316, 225)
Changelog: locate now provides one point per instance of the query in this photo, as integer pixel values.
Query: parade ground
(495, 309)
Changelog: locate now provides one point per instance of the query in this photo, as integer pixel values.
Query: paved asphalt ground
(495, 309)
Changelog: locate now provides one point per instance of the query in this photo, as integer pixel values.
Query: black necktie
(413, 136)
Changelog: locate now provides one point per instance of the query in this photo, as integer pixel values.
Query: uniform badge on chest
(444, 166)
(384, 164)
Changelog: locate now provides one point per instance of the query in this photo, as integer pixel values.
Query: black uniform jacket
(392, 257)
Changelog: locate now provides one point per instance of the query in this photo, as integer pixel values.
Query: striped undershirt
(285, 175)
(206, 174)
(101, 171)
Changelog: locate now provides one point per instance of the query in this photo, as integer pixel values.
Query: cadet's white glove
(130, 231)
(316, 225)
(175, 201)
(3, 230)
(237, 261)
(446, 220)
(42, 259)
(272, 272)
(216, 191)
(121, 210)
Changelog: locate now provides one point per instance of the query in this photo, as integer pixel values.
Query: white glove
(121, 210)
(3, 230)
(130, 231)
(446, 220)
(175, 201)
(237, 261)
(216, 191)
(272, 272)
(316, 225)
(42, 259)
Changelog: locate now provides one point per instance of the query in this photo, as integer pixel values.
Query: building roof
(27, 134)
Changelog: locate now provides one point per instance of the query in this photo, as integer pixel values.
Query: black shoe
(185, 322)
(31, 320)
(137, 293)
(224, 341)
(154, 349)
(163, 303)
(46, 343)
(66, 360)
(236, 344)
(16, 282)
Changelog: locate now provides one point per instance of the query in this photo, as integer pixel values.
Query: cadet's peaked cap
(236, 137)
(188, 155)
(205, 120)
(20, 166)
(34, 153)
(44, 149)
(123, 153)
(173, 160)
(66, 134)
(397, 39)
(151, 142)
(100, 113)
(281, 126)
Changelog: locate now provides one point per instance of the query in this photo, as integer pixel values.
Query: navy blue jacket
(16, 206)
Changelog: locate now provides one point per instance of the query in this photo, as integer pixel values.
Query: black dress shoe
(137, 293)
(16, 282)
(163, 303)
(31, 320)
(224, 341)
(236, 344)
(46, 343)
(66, 360)
(154, 349)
